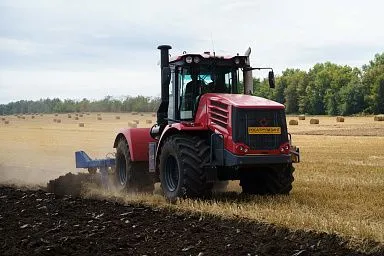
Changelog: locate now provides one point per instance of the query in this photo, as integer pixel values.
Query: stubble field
(338, 185)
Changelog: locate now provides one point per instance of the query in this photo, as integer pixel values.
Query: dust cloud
(23, 176)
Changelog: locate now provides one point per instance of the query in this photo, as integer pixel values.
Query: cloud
(93, 41)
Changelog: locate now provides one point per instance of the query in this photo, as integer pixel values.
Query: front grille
(244, 118)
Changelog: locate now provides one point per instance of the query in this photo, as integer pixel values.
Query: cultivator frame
(84, 161)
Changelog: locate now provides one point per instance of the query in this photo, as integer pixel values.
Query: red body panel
(205, 120)
(208, 108)
(138, 140)
(245, 101)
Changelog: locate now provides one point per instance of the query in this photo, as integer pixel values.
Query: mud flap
(152, 156)
(211, 174)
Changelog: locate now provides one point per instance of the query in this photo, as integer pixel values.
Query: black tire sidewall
(122, 151)
(170, 149)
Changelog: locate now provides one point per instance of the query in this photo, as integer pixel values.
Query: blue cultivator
(84, 161)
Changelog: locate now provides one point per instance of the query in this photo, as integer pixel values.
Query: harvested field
(338, 189)
(46, 224)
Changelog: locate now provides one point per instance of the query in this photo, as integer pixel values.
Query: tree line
(327, 88)
(108, 104)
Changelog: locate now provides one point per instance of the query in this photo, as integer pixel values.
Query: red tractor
(208, 132)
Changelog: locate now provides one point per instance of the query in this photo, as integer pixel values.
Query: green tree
(372, 81)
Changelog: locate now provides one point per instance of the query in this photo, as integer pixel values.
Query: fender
(138, 140)
(175, 128)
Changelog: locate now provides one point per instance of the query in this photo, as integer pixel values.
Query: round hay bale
(41, 114)
(379, 118)
(58, 121)
(134, 113)
(293, 122)
(98, 114)
(69, 116)
(136, 121)
(99, 118)
(141, 114)
(23, 117)
(6, 122)
(3, 119)
(153, 114)
(148, 121)
(117, 117)
(54, 120)
(340, 119)
(56, 114)
(81, 124)
(301, 117)
(76, 118)
(88, 114)
(132, 124)
(33, 117)
(314, 121)
(81, 115)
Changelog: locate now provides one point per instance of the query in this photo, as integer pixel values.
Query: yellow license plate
(264, 130)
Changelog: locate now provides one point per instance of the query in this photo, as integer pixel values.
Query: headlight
(188, 59)
(196, 59)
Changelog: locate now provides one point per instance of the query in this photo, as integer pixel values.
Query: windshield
(195, 81)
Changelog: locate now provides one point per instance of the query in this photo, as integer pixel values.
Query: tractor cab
(193, 75)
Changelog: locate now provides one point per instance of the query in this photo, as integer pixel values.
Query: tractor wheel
(181, 167)
(268, 181)
(131, 176)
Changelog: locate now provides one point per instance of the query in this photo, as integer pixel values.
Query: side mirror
(165, 76)
(271, 79)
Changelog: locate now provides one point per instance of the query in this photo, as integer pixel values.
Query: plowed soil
(34, 222)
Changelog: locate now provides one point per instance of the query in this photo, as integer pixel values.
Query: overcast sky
(93, 48)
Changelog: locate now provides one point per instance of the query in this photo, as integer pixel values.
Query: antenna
(213, 46)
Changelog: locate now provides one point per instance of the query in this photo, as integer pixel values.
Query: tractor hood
(244, 101)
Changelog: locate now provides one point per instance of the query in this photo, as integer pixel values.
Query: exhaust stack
(162, 112)
(247, 75)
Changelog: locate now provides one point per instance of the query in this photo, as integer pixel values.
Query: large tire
(131, 176)
(182, 161)
(72, 184)
(268, 181)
